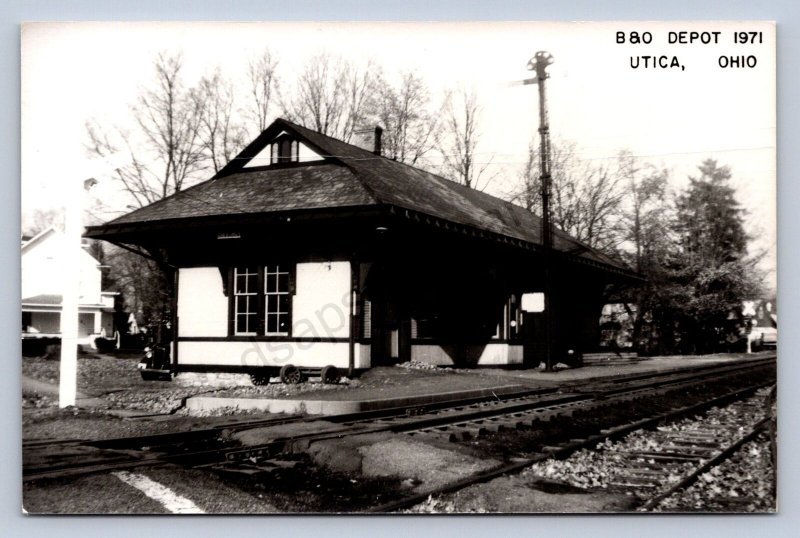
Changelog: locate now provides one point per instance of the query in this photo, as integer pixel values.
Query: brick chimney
(369, 139)
(377, 149)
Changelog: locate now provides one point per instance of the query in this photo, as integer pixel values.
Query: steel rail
(722, 456)
(563, 450)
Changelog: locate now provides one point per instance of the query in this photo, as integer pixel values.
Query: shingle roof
(402, 185)
(350, 176)
(43, 299)
(281, 189)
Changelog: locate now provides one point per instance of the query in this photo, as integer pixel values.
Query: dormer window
(284, 150)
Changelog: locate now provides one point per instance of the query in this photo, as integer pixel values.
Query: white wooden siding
(257, 354)
(321, 304)
(202, 305)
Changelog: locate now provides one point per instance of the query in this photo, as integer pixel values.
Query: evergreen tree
(709, 273)
(710, 220)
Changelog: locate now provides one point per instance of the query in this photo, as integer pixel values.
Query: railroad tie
(638, 485)
(664, 456)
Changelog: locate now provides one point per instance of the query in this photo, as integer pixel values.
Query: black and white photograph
(401, 268)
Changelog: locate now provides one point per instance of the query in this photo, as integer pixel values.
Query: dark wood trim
(276, 166)
(469, 230)
(261, 300)
(439, 342)
(276, 338)
(354, 298)
(133, 232)
(137, 251)
(231, 303)
(239, 369)
(224, 275)
(292, 292)
(174, 306)
(222, 368)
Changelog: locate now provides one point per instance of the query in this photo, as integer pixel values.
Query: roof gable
(257, 153)
(38, 238)
(51, 242)
(268, 155)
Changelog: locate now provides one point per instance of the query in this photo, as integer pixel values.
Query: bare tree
(221, 136)
(145, 287)
(41, 219)
(647, 221)
(332, 96)
(361, 84)
(409, 129)
(166, 150)
(458, 140)
(647, 215)
(263, 88)
(587, 198)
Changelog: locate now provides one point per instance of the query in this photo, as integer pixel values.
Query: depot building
(309, 251)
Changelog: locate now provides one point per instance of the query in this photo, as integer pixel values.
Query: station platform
(388, 387)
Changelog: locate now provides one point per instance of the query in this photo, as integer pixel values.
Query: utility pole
(68, 367)
(539, 63)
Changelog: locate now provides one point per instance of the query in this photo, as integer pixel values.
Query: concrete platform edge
(336, 407)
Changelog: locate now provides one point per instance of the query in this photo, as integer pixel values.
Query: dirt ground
(512, 494)
(80, 496)
(384, 382)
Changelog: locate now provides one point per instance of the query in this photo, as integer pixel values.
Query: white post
(73, 229)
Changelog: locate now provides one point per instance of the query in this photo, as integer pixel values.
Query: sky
(671, 117)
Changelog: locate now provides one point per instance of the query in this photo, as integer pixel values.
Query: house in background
(761, 324)
(43, 284)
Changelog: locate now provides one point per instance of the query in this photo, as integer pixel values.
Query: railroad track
(74, 457)
(457, 420)
(509, 417)
(653, 464)
(693, 452)
(462, 422)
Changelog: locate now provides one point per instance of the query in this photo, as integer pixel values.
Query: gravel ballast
(744, 483)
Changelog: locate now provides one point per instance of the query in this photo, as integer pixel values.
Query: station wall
(499, 354)
(257, 354)
(320, 322)
(321, 304)
(202, 305)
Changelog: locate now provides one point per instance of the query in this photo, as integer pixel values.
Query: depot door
(533, 339)
(381, 351)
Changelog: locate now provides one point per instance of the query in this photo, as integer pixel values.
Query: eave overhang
(148, 233)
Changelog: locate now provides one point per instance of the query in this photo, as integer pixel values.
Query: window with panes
(284, 150)
(276, 305)
(262, 300)
(245, 282)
